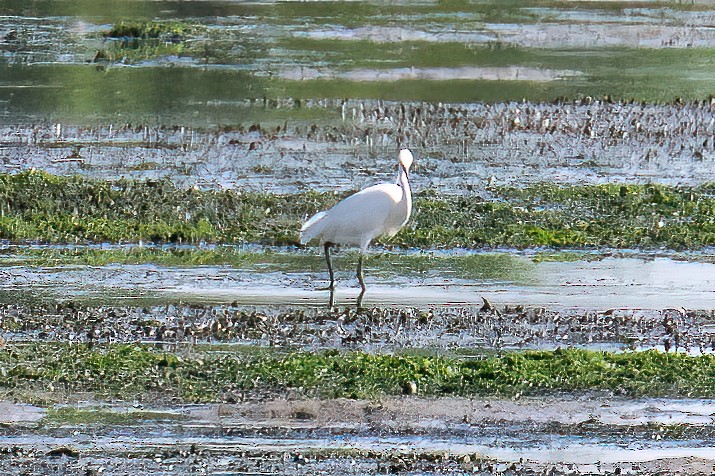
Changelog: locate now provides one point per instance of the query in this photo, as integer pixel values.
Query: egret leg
(359, 273)
(359, 301)
(331, 300)
(330, 265)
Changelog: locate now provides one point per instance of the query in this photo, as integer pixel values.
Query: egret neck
(404, 183)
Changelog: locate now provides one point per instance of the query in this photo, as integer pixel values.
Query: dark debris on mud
(376, 329)
(195, 460)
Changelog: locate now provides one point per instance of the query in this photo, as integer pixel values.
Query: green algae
(57, 416)
(134, 372)
(35, 206)
(149, 29)
(566, 256)
(39, 206)
(133, 41)
(174, 256)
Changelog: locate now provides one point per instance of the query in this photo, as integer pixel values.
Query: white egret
(380, 210)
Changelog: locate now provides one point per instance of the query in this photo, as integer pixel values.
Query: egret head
(406, 159)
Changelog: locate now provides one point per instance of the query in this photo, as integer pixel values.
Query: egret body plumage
(380, 210)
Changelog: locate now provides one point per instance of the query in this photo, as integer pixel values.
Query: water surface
(611, 283)
(53, 66)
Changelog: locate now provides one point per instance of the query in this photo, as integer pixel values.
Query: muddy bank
(172, 461)
(11, 413)
(403, 435)
(443, 329)
(458, 147)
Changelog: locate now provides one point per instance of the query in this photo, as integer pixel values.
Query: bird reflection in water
(358, 303)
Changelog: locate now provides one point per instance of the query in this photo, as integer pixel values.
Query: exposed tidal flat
(131, 279)
(157, 267)
(290, 145)
(547, 310)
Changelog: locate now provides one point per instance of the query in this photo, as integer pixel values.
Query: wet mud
(483, 329)
(461, 148)
(614, 305)
(407, 435)
(584, 433)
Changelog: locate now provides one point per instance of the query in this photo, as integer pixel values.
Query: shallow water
(435, 52)
(558, 450)
(610, 283)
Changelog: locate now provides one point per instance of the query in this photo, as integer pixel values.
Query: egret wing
(311, 228)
